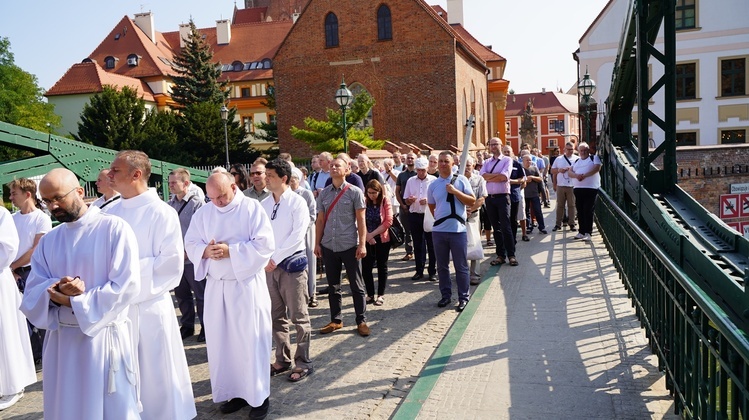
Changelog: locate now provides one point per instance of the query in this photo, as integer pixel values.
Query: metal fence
(703, 354)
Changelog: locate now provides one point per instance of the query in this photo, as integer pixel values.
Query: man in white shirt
(230, 241)
(323, 175)
(109, 196)
(286, 272)
(415, 197)
(85, 275)
(563, 185)
(16, 360)
(31, 224)
(587, 180)
(166, 389)
(390, 174)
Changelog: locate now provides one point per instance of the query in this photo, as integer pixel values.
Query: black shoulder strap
(568, 161)
(112, 200)
(451, 199)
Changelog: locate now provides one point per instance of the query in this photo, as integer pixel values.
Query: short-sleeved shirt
(437, 195)
(583, 166)
(252, 193)
(403, 178)
(372, 174)
(340, 232)
(478, 185)
(501, 165)
(28, 226)
(561, 162)
(532, 188)
(518, 172)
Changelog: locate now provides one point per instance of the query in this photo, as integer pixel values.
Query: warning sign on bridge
(729, 206)
(744, 205)
(745, 229)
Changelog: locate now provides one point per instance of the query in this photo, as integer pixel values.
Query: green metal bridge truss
(83, 159)
(684, 269)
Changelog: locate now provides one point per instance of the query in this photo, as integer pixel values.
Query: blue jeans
(446, 243)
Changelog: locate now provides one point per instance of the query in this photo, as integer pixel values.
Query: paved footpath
(554, 338)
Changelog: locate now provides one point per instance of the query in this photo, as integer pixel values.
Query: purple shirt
(501, 165)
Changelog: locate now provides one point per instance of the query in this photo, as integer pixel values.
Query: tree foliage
(328, 135)
(197, 75)
(113, 119)
(21, 100)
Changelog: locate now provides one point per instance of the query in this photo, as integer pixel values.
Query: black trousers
(333, 262)
(405, 220)
(376, 254)
(585, 203)
(183, 292)
(498, 210)
(422, 239)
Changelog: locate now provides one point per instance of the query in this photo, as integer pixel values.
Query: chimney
(455, 11)
(223, 32)
(543, 91)
(184, 34)
(145, 22)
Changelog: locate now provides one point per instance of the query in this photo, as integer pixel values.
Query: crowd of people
(242, 258)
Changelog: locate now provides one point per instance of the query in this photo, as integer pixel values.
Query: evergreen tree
(268, 131)
(197, 75)
(113, 119)
(160, 139)
(328, 135)
(21, 101)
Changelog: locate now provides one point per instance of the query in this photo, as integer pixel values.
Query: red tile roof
(251, 15)
(88, 78)
(484, 52)
(543, 103)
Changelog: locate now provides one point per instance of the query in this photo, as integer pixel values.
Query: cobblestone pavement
(553, 338)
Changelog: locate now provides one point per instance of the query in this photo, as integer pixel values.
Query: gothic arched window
(384, 24)
(331, 30)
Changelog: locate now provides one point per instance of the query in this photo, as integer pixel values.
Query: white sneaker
(587, 237)
(579, 236)
(7, 401)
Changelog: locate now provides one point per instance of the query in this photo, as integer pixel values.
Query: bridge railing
(703, 354)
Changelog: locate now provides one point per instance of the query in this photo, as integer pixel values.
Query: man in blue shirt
(448, 196)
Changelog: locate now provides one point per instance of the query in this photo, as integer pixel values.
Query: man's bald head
(220, 189)
(63, 194)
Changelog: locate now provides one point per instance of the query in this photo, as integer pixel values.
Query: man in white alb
(84, 276)
(16, 361)
(166, 390)
(230, 241)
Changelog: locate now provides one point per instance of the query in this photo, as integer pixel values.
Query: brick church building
(426, 73)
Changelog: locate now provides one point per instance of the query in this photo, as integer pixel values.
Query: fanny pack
(294, 263)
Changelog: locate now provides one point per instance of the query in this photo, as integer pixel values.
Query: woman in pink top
(379, 217)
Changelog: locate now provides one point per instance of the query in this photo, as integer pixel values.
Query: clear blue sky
(537, 37)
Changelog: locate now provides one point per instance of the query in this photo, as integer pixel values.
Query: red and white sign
(729, 206)
(744, 205)
(745, 229)
(734, 225)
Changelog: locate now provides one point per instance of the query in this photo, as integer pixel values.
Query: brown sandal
(498, 261)
(513, 261)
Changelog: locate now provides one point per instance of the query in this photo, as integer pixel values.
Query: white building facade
(712, 53)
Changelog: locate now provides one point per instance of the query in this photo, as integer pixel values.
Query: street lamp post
(225, 117)
(344, 97)
(587, 88)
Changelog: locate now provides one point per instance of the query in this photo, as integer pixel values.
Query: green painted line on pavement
(411, 406)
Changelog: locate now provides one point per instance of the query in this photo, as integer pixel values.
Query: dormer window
(237, 66)
(132, 60)
(109, 62)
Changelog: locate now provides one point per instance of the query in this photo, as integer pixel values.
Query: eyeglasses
(57, 199)
(275, 210)
(258, 173)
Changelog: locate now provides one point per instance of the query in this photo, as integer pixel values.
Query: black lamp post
(587, 88)
(225, 117)
(344, 97)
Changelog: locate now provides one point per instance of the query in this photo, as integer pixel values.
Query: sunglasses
(257, 173)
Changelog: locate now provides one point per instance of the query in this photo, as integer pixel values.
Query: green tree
(197, 75)
(113, 119)
(268, 131)
(201, 132)
(21, 100)
(159, 138)
(328, 135)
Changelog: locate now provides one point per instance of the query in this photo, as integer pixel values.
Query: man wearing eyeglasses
(166, 390)
(230, 242)
(259, 189)
(85, 275)
(563, 185)
(286, 272)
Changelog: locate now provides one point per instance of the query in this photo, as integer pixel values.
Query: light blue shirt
(437, 195)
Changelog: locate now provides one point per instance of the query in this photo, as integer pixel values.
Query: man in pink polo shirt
(496, 171)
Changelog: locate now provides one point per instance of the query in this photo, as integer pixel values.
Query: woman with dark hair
(241, 177)
(379, 217)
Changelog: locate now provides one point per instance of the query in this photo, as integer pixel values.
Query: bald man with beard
(230, 242)
(85, 274)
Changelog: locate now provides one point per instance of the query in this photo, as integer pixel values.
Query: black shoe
(417, 276)
(201, 336)
(444, 302)
(556, 228)
(543, 231)
(234, 404)
(323, 291)
(573, 228)
(259, 413)
(186, 332)
(461, 305)
(432, 277)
